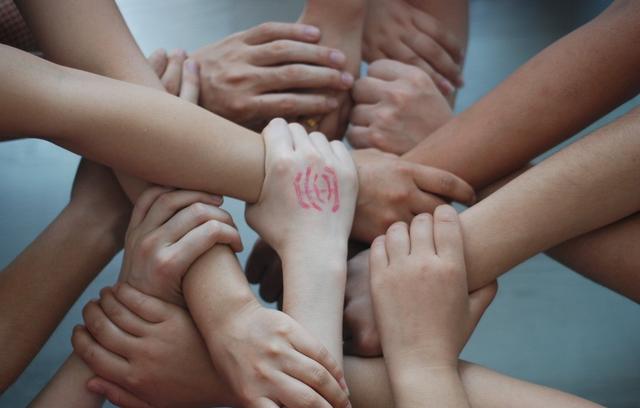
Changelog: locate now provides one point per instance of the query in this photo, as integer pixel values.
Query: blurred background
(547, 324)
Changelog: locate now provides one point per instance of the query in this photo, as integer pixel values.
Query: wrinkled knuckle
(286, 105)
(308, 399)
(319, 376)
(447, 183)
(274, 350)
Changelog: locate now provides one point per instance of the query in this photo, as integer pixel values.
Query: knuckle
(283, 165)
(308, 400)
(199, 211)
(274, 350)
(447, 182)
(287, 105)
(237, 105)
(266, 28)
(319, 376)
(164, 264)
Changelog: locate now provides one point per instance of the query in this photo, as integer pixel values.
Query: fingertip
(192, 66)
(445, 213)
(311, 32)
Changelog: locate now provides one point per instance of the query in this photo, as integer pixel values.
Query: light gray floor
(547, 325)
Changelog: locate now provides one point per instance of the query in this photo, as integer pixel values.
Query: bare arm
(545, 206)
(557, 93)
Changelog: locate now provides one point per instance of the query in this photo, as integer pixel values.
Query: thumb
(479, 301)
(116, 395)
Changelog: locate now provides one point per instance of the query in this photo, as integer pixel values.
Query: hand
(361, 333)
(420, 296)
(397, 106)
(255, 75)
(147, 352)
(169, 230)
(179, 75)
(392, 189)
(309, 190)
(396, 29)
(96, 194)
(269, 359)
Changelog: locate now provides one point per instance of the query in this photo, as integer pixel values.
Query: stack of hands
(140, 340)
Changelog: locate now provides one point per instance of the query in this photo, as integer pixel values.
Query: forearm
(369, 384)
(608, 256)
(40, 285)
(428, 387)
(545, 205)
(314, 285)
(214, 288)
(146, 133)
(564, 85)
(68, 388)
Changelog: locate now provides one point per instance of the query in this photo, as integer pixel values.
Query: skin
(253, 76)
(417, 33)
(63, 260)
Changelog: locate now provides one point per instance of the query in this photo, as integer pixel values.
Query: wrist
(412, 386)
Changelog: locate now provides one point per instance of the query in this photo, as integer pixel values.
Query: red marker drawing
(317, 190)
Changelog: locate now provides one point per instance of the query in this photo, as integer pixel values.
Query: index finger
(443, 183)
(272, 31)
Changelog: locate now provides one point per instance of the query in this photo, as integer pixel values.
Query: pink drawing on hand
(317, 190)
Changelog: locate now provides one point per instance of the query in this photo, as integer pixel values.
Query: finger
(378, 257)
(447, 235)
(397, 241)
(278, 138)
(173, 74)
(421, 202)
(168, 204)
(272, 31)
(121, 316)
(443, 183)
(189, 218)
(301, 141)
(190, 88)
(310, 347)
(311, 373)
(271, 283)
(115, 394)
(291, 105)
(359, 136)
(421, 232)
(202, 238)
(291, 391)
(479, 301)
(284, 52)
(101, 361)
(369, 90)
(342, 153)
(260, 257)
(320, 142)
(105, 332)
(429, 50)
(144, 202)
(300, 76)
(158, 61)
(432, 27)
(147, 307)
(362, 115)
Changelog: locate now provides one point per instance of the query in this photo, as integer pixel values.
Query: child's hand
(269, 359)
(309, 192)
(419, 288)
(397, 106)
(144, 349)
(169, 230)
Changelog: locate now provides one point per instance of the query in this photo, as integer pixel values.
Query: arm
(569, 84)
(41, 284)
(67, 388)
(175, 143)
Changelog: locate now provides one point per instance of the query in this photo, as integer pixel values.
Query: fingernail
(218, 198)
(332, 103)
(446, 213)
(337, 57)
(192, 66)
(347, 78)
(312, 32)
